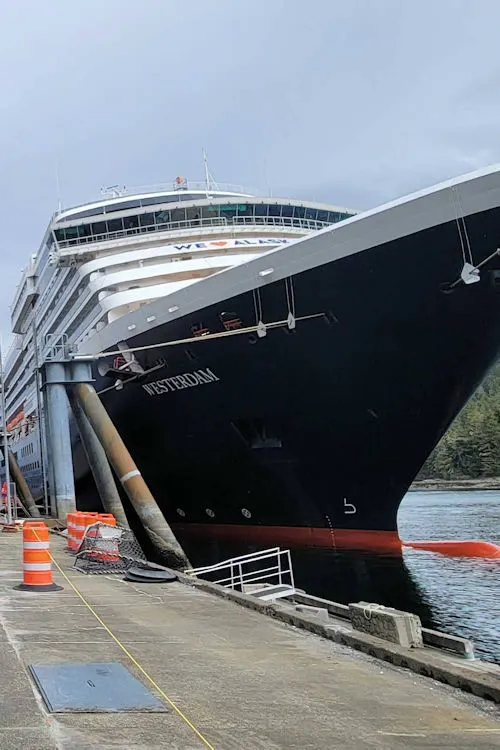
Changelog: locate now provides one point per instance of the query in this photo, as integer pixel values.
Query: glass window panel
(131, 222)
(274, 210)
(99, 227)
(245, 209)
(122, 206)
(71, 232)
(154, 200)
(261, 209)
(193, 213)
(84, 230)
(322, 216)
(89, 212)
(208, 212)
(162, 217)
(60, 235)
(287, 211)
(115, 225)
(299, 212)
(178, 214)
(311, 213)
(228, 210)
(146, 220)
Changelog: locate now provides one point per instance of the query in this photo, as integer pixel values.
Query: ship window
(260, 209)
(274, 210)
(323, 216)
(193, 213)
(98, 228)
(71, 232)
(299, 212)
(245, 210)
(146, 220)
(154, 200)
(228, 210)
(84, 230)
(83, 214)
(131, 222)
(162, 217)
(178, 214)
(115, 225)
(122, 206)
(207, 212)
(311, 213)
(287, 211)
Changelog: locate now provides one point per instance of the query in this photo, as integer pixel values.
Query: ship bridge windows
(147, 220)
(177, 215)
(130, 222)
(268, 212)
(115, 225)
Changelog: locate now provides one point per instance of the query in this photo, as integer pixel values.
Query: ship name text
(179, 382)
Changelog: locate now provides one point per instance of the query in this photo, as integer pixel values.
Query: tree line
(471, 447)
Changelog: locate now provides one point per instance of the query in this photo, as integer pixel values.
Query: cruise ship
(279, 369)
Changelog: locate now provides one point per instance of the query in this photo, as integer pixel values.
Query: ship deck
(243, 680)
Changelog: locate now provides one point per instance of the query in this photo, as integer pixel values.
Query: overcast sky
(352, 102)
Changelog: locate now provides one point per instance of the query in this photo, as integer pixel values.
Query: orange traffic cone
(37, 567)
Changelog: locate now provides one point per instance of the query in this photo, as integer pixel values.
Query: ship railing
(267, 574)
(220, 221)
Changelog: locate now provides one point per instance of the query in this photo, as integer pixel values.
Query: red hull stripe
(297, 536)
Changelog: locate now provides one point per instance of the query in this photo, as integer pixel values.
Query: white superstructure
(100, 261)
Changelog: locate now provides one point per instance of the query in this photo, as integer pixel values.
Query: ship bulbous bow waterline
(311, 434)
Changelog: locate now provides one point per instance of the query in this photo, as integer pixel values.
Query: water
(460, 596)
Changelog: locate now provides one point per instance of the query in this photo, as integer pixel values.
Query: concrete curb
(438, 667)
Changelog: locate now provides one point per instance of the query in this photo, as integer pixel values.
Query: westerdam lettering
(179, 382)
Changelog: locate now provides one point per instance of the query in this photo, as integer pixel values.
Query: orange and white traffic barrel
(83, 521)
(70, 521)
(37, 566)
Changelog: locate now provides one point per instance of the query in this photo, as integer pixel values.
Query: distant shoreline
(455, 485)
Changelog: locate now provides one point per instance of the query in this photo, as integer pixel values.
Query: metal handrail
(273, 221)
(225, 563)
(238, 577)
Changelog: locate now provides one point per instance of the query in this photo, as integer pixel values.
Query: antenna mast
(210, 183)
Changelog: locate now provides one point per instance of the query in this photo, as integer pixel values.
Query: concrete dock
(242, 680)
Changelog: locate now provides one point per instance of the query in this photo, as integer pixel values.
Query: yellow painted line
(132, 658)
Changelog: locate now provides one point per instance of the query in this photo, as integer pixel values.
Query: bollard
(37, 566)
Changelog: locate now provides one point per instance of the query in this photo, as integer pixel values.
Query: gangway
(267, 575)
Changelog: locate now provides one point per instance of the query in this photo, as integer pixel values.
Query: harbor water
(460, 596)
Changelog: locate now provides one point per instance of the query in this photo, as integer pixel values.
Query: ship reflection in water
(456, 595)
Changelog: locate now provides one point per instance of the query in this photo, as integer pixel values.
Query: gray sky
(351, 102)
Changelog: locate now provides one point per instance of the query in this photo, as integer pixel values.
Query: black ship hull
(311, 436)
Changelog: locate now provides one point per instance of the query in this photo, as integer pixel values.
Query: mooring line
(132, 658)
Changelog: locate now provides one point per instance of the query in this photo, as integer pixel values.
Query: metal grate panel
(92, 688)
